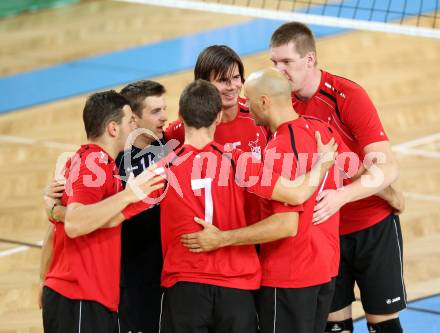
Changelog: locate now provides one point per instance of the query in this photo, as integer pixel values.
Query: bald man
(298, 266)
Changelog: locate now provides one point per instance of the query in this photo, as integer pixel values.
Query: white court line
(417, 142)
(14, 250)
(417, 152)
(408, 147)
(29, 141)
(18, 249)
(422, 197)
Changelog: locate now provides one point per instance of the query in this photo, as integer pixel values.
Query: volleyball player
(221, 66)
(82, 284)
(141, 252)
(371, 240)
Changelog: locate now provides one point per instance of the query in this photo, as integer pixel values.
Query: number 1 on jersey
(205, 183)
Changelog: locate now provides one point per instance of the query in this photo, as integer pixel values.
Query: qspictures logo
(346, 165)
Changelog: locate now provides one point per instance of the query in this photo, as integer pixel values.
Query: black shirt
(141, 251)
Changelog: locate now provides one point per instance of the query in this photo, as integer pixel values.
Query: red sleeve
(135, 208)
(176, 131)
(283, 163)
(88, 180)
(253, 175)
(360, 115)
(153, 199)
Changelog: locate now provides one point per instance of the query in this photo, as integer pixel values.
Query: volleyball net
(408, 17)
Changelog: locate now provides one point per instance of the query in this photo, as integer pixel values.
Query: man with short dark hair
(222, 66)
(141, 252)
(149, 108)
(81, 290)
(371, 240)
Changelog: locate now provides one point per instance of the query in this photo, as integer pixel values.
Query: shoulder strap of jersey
(227, 155)
(292, 141)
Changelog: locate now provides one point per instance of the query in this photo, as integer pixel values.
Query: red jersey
(242, 133)
(88, 267)
(346, 106)
(203, 183)
(312, 256)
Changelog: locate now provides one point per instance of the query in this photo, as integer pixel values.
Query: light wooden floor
(401, 74)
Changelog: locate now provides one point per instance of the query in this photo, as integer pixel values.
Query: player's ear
(311, 59)
(112, 129)
(265, 101)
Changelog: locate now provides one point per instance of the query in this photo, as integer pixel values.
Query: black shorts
(373, 259)
(64, 315)
(202, 308)
(299, 310)
(139, 308)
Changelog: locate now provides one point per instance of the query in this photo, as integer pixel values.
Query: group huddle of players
(237, 217)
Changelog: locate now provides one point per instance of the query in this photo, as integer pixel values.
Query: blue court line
(422, 315)
(166, 57)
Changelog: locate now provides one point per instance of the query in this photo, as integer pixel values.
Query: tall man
(371, 240)
(82, 285)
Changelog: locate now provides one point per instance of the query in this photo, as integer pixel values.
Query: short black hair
(199, 104)
(100, 109)
(217, 60)
(136, 93)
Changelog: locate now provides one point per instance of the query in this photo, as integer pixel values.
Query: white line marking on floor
(14, 250)
(417, 142)
(422, 197)
(417, 152)
(29, 141)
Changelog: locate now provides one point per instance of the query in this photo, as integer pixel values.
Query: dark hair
(137, 92)
(295, 32)
(199, 104)
(217, 60)
(100, 109)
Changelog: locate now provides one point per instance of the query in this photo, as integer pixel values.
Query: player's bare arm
(394, 197)
(274, 227)
(52, 200)
(83, 219)
(381, 171)
(390, 194)
(296, 192)
(45, 260)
